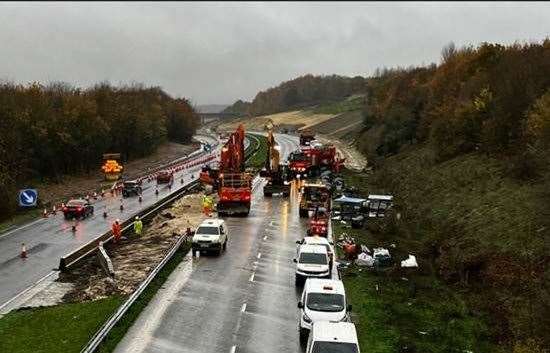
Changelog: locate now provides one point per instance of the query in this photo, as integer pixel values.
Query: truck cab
(314, 196)
(211, 235)
(330, 337)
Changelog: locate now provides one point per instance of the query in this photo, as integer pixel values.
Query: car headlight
(306, 318)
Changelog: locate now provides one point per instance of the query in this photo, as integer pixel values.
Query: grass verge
(257, 159)
(19, 219)
(68, 327)
(351, 103)
(397, 311)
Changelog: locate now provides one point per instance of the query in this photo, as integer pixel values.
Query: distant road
(50, 238)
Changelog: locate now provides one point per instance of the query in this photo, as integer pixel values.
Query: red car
(164, 177)
(78, 209)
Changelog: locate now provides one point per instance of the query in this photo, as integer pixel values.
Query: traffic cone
(54, 210)
(23, 251)
(121, 207)
(45, 213)
(156, 192)
(140, 198)
(181, 180)
(73, 228)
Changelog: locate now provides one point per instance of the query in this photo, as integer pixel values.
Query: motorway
(243, 301)
(48, 239)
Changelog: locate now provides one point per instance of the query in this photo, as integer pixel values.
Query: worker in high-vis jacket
(138, 226)
(207, 204)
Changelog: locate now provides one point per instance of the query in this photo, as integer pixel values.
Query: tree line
(491, 98)
(50, 131)
(487, 109)
(303, 91)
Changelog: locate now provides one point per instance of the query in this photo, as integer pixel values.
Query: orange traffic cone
(23, 251)
(140, 198)
(45, 213)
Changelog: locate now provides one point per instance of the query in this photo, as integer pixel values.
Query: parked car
(165, 177)
(211, 235)
(78, 208)
(130, 188)
(312, 261)
(322, 300)
(329, 337)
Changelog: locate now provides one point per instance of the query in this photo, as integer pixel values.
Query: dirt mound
(135, 257)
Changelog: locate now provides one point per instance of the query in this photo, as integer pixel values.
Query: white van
(312, 261)
(322, 300)
(317, 240)
(211, 235)
(329, 337)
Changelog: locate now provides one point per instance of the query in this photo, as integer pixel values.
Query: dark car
(165, 176)
(78, 209)
(131, 188)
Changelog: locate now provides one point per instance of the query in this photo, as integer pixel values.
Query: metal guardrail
(102, 333)
(71, 259)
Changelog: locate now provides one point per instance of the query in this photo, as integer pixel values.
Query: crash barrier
(73, 258)
(105, 261)
(103, 332)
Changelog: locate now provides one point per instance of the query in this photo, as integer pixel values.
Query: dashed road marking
(265, 237)
(251, 279)
(259, 255)
(243, 308)
(233, 349)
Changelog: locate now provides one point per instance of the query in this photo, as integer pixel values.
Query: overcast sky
(220, 52)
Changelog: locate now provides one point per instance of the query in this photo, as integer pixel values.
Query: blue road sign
(28, 197)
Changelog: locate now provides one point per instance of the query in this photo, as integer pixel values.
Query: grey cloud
(219, 52)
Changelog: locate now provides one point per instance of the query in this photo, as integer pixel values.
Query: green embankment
(258, 143)
(465, 220)
(68, 327)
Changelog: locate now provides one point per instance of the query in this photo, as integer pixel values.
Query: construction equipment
(306, 136)
(314, 196)
(318, 224)
(234, 185)
(275, 173)
(312, 160)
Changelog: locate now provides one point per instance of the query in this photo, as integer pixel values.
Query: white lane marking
(233, 349)
(26, 290)
(243, 308)
(265, 237)
(251, 279)
(259, 255)
(21, 228)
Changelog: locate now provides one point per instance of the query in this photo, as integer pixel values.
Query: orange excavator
(231, 181)
(275, 173)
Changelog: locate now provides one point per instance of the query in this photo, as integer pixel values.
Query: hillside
(300, 93)
(464, 146)
(210, 108)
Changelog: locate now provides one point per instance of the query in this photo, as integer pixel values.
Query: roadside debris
(136, 256)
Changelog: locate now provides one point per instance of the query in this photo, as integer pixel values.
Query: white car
(317, 240)
(322, 300)
(211, 235)
(329, 337)
(312, 261)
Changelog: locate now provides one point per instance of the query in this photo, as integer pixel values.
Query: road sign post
(28, 197)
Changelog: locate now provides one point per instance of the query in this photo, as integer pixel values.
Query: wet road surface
(243, 301)
(50, 238)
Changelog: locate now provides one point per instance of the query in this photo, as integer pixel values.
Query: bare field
(298, 119)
